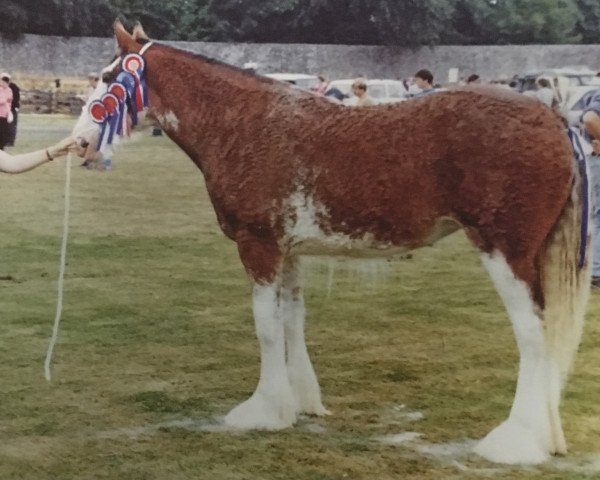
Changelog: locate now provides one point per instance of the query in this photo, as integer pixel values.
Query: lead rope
(61, 273)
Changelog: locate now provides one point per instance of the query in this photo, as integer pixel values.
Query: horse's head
(118, 102)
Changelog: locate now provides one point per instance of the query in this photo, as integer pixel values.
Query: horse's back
(471, 157)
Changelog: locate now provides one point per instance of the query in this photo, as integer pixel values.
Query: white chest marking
(306, 237)
(168, 120)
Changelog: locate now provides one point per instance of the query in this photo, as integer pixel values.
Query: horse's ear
(139, 33)
(125, 41)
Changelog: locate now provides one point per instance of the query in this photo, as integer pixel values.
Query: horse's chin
(145, 120)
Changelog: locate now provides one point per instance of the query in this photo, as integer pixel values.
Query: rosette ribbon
(127, 95)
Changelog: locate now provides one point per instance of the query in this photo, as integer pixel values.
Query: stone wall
(78, 56)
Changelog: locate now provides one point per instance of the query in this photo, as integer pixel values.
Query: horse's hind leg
(300, 370)
(548, 331)
(527, 436)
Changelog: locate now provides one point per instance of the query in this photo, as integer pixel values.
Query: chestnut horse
(292, 174)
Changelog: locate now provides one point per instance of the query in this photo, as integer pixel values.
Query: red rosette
(133, 63)
(97, 111)
(110, 102)
(118, 90)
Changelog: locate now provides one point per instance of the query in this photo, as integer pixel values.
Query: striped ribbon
(580, 158)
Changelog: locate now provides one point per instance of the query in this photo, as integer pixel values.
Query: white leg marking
(272, 406)
(303, 379)
(526, 436)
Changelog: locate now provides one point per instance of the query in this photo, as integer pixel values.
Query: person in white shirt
(359, 88)
(544, 93)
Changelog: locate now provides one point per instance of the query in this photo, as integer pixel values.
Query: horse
(292, 174)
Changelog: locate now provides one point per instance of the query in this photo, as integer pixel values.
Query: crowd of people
(422, 83)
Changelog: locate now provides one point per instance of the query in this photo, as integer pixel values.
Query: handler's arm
(28, 161)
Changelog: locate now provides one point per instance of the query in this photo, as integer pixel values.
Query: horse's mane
(221, 64)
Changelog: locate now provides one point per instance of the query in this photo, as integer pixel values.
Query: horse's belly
(342, 245)
(308, 231)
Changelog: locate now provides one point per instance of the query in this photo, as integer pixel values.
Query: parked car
(564, 81)
(300, 80)
(382, 90)
(570, 77)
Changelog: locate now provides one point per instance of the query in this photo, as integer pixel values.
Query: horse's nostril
(84, 144)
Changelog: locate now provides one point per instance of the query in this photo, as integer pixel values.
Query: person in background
(322, 86)
(359, 88)
(473, 79)
(28, 161)
(93, 79)
(5, 113)
(544, 92)
(15, 106)
(335, 94)
(423, 79)
(590, 122)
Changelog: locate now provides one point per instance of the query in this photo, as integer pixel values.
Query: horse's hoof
(258, 412)
(317, 411)
(513, 444)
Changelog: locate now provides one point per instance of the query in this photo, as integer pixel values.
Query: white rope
(61, 273)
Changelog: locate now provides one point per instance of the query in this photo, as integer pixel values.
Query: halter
(127, 95)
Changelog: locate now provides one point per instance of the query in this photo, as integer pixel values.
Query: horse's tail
(565, 272)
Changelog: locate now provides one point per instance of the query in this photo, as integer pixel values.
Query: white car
(565, 82)
(300, 80)
(381, 90)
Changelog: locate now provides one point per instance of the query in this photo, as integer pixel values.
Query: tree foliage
(588, 25)
(395, 22)
(514, 22)
(534, 21)
(56, 17)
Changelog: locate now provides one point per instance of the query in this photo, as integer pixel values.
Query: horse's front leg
(303, 379)
(273, 405)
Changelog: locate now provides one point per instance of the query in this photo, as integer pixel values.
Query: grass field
(157, 342)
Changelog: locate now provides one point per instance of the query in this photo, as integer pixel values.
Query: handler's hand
(66, 145)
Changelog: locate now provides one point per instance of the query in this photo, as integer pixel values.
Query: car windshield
(575, 80)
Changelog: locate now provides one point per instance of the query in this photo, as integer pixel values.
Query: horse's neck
(204, 105)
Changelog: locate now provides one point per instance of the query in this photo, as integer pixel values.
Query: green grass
(157, 341)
